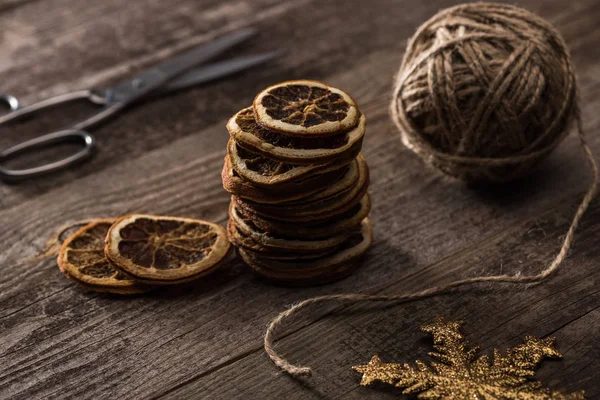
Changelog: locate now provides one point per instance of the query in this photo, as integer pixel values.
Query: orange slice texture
(82, 259)
(262, 171)
(305, 108)
(166, 250)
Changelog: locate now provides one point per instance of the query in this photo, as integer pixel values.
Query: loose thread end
(299, 371)
(290, 369)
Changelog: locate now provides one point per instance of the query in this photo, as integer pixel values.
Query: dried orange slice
(317, 210)
(314, 271)
(305, 108)
(235, 184)
(342, 223)
(252, 136)
(81, 259)
(276, 242)
(166, 250)
(238, 239)
(262, 171)
(346, 183)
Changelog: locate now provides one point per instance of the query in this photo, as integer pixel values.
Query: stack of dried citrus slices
(299, 204)
(135, 253)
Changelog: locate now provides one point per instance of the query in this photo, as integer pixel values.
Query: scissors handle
(76, 134)
(58, 137)
(18, 112)
(11, 103)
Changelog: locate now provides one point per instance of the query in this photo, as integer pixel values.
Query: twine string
(352, 298)
(567, 109)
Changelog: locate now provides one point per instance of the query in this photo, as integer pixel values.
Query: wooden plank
(566, 306)
(378, 83)
(52, 55)
(59, 341)
(10, 5)
(81, 44)
(161, 175)
(120, 54)
(49, 53)
(52, 328)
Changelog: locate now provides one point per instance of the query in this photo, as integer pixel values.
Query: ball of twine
(484, 91)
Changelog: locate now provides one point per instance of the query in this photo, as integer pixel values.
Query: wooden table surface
(165, 156)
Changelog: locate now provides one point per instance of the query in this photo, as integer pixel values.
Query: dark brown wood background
(204, 340)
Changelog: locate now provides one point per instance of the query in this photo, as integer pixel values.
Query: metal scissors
(177, 73)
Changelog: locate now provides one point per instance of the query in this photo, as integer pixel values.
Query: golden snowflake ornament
(461, 374)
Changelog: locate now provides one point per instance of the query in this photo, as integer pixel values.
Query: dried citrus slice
(343, 185)
(262, 171)
(235, 184)
(305, 108)
(342, 223)
(315, 271)
(244, 129)
(240, 240)
(166, 250)
(320, 209)
(282, 243)
(81, 259)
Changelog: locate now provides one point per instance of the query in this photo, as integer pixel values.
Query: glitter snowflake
(462, 374)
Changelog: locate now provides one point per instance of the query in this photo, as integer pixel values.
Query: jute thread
(397, 116)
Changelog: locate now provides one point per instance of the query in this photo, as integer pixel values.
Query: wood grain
(564, 307)
(203, 340)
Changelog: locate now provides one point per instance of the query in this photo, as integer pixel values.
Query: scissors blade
(153, 78)
(205, 52)
(219, 70)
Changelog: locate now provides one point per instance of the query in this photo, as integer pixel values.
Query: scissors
(177, 73)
